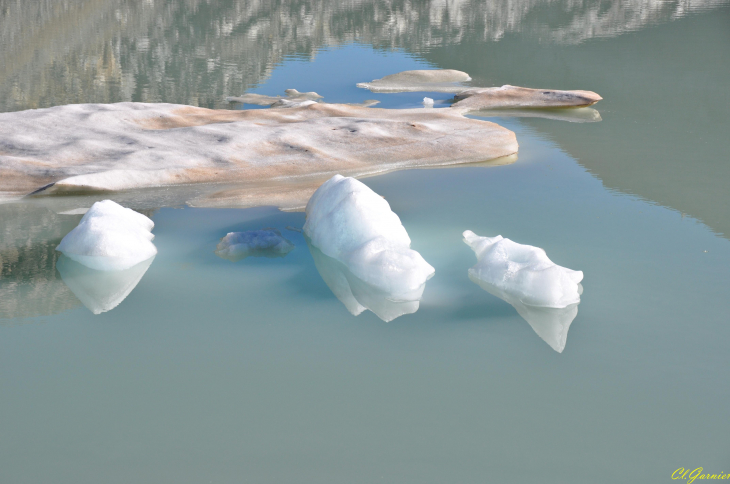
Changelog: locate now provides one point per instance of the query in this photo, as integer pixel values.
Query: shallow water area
(211, 370)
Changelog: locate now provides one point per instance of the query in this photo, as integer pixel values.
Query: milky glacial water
(253, 371)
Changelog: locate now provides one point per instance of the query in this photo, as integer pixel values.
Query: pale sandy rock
(101, 147)
(436, 80)
(521, 97)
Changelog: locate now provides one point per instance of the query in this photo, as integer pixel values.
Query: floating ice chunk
(257, 243)
(428, 102)
(358, 295)
(434, 80)
(110, 238)
(571, 115)
(521, 97)
(100, 291)
(293, 103)
(522, 272)
(349, 222)
(263, 100)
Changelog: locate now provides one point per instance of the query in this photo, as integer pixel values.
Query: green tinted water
(214, 371)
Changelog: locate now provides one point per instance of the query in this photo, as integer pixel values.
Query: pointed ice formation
(546, 295)
(110, 237)
(352, 224)
(523, 272)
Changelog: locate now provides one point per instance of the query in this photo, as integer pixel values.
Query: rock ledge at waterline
(93, 147)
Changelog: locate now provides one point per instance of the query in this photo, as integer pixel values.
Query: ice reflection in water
(356, 294)
(550, 324)
(100, 291)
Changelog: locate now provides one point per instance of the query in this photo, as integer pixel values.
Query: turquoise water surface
(253, 371)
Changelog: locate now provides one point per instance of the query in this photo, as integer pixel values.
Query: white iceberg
(522, 272)
(427, 102)
(349, 222)
(100, 291)
(110, 237)
(257, 243)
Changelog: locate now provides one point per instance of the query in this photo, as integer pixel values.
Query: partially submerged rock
(350, 223)
(256, 243)
(436, 80)
(110, 237)
(95, 147)
(521, 97)
(523, 272)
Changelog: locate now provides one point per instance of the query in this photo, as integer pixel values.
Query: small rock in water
(110, 237)
(256, 243)
(522, 272)
(349, 222)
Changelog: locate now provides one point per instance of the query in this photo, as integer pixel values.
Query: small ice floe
(255, 243)
(100, 291)
(293, 103)
(293, 229)
(544, 294)
(352, 224)
(434, 80)
(263, 100)
(110, 237)
(427, 102)
(521, 97)
(523, 272)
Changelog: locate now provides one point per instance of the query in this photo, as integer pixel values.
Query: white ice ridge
(522, 272)
(349, 222)
(110, 238)
(258, 243)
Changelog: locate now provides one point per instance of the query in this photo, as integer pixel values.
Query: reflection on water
(100, 291)
(198, 52)
(356, 294)
(29, 285)
(550, 324)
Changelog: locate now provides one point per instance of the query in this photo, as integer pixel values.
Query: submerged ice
(257, 243)
(522, 272)
(352, 224)
(110, 237)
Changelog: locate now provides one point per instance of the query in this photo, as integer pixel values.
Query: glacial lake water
(253, 371)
